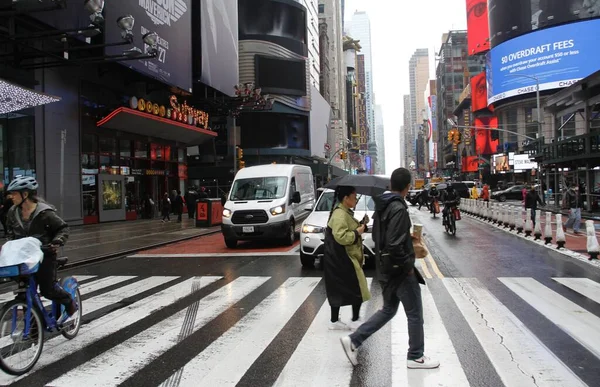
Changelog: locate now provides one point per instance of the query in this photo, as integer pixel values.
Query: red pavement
(214, 244)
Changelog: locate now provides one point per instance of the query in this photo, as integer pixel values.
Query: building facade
(418, 69)
(407, 139)
(380, 133)
(312, 41)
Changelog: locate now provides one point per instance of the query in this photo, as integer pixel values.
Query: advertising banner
(479, 93)
(511, 18)
(172, 21)
(470, 164)
(523, 163)
(557, 57)
(478, 32)
(483, 137)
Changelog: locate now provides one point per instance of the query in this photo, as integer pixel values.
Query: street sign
(327, 147)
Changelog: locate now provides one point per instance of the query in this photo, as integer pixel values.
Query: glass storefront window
(107, 145)
(89, 162)
(89, 143)
(125, 148)
(17, 144)
(181, 155)
(141, 150)
(89, 194)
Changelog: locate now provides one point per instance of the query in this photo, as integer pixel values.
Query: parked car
(312, 234)
(512, 193)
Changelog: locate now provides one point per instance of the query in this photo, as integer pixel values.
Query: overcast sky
(398, 28)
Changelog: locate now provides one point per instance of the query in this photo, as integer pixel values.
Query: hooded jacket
(44, 225)
(395, 255)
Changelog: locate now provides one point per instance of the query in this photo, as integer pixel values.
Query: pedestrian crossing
(168, 331)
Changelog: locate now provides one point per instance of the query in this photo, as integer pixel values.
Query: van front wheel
(290, 239)
(231, 243)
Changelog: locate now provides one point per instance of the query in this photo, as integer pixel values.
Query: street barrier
(507, 212)
(512, 219)
(561, 240)
(537, 231)
(592, 241)
(519, 221)
(548, 228)
(528, 225)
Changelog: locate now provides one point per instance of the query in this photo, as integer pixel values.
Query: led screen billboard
(511, 18)
(478, 92)
(470, 164)
(557, 57)
(484, 144)
(172, 21)
(478, 32)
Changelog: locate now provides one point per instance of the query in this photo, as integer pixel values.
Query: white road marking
(228, 358)
(320, 352)
(215, 255)
(103, 283)
(58, 348)
(515, 352)
(584, 286)
(439, 347)
(124, 360)
(568, 316)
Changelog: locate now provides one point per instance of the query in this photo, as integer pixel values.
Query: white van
(268, 202)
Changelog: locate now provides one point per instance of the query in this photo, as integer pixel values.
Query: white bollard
(519, 221)
(507, 216)
(494, 214)
(537, 231)
(560, 233)
(548, 228)
(528, 225)
(593, 248)
(512, 219)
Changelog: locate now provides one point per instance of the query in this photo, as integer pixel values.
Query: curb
(564, 251)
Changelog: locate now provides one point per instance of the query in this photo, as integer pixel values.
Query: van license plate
(248, 230)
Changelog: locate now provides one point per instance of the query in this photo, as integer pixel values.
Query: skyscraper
(418, 69)
(407, 140)
(312, 26)
(360, 29)
(380, 133)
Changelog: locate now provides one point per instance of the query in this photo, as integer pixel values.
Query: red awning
(134, 121)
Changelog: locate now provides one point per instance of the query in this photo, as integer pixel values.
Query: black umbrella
(371, 185)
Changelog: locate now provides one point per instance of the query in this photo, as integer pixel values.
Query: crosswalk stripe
(124, 360)
(517, 355)
(584, 286)
(226, 360)
(115, 296)
(81, 278)
(103, 283)
(439, 345)
(568, 316)
(58, 348)
(321, 353)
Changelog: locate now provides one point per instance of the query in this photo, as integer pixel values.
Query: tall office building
(418, 69)
(406, 134)
(360, 29)
(312, 26)
(380, 139)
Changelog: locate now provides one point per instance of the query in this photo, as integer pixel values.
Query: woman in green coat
(345, 281)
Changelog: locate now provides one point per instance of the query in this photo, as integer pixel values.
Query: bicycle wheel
(14, 347)
(452, 225)
(73, 324)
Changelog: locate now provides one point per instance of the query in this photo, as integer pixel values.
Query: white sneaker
(351, 352)
(423, 363)
(338, 326)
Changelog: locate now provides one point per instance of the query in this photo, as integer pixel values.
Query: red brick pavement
(214, 244)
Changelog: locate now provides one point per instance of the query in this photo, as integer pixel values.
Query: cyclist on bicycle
(30, 216)
(434, 194)
(451, 200)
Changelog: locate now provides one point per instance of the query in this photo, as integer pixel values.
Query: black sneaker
(71, 308)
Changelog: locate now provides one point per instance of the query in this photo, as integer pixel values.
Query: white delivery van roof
(268, 170)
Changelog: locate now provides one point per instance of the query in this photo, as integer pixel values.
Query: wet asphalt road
(273, 330)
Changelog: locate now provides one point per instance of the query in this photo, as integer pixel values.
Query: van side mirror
(296, 197)
(310, 207)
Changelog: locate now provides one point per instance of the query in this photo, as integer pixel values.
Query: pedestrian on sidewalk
(575, 204)
(485, 193)
(345, 281)
(531, 201)
(178, 206)
(190, 198)
(395, 263)
(166, 208)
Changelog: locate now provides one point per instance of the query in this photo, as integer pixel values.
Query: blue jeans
(409, 293)
(574, 219)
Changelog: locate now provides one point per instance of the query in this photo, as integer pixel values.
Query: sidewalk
(585, 215)
(101, 241)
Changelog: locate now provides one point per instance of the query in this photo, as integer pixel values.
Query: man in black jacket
(397, 273)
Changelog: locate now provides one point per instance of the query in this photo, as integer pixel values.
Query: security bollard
(528, 225)
(519, 221)
(560, 233)
(511, 219)
(494, 214)
(592, 241)
(548, 228)
(537, 231)
(507, 213)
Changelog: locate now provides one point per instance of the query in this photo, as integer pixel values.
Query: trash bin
(209, 212)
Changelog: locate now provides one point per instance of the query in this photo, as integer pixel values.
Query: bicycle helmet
(23, 183)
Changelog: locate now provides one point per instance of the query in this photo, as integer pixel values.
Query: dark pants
(46, 279)
(533, 215)
(192, 211)
(409, 293)
(179, 215)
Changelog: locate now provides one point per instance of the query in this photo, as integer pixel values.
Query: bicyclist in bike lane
(30, 216)
(451, 199)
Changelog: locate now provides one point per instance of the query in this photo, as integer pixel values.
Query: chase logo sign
(163, 12)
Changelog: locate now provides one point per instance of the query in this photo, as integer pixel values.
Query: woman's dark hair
(340, 193)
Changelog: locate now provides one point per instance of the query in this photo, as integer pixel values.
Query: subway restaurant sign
(176, 111)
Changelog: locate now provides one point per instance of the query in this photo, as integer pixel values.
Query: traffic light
(241, 164)
(240, 153)
(343, 155)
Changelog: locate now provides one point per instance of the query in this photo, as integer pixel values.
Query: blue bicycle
(24, 320)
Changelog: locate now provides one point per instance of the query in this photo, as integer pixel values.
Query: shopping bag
(25, 250)
(456, 214)
(436, 207)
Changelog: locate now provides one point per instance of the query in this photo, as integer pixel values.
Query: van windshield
(259, 188)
